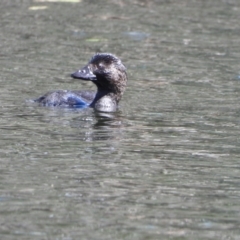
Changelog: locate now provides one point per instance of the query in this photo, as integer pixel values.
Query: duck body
(66, 98)
(107, 72)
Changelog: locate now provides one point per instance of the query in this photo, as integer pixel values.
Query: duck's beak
(84, 74)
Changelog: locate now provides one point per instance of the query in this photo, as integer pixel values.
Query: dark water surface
(165, 166)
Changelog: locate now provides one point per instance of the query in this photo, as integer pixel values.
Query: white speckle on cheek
(90, 70)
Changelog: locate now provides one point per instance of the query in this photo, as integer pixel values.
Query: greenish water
(165, 166)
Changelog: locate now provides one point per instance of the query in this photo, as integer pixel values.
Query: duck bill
(84, 74)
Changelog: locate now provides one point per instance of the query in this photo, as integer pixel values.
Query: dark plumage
(107, 72)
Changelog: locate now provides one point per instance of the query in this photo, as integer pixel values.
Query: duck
(109, 75)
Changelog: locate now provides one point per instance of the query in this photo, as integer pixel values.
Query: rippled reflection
(165, 166)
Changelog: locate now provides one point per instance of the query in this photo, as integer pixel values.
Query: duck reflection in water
(107, 72)
(108, 126)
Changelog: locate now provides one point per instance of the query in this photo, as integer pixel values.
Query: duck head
(107, 72)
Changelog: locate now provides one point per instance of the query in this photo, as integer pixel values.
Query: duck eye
(100, 65)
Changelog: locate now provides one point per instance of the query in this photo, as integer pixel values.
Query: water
(165, 166)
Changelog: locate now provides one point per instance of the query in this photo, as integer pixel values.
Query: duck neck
(108, 95)
(102, 95)
(106, 100)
